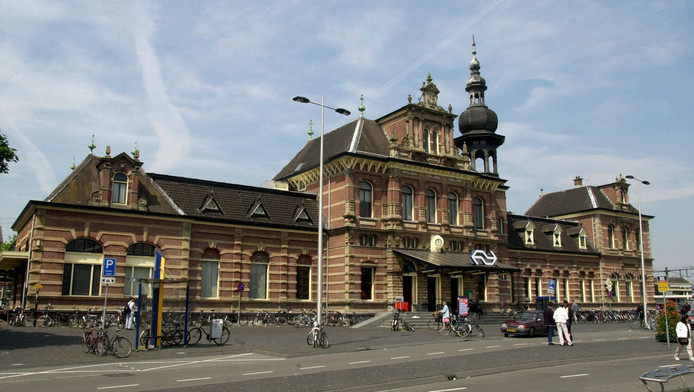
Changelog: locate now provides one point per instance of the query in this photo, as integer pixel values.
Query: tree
(9, 244)
(7, 154)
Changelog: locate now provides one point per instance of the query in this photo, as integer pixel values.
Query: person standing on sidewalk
(129, 313)
(683, 338)
(548, 316)
(561, 316)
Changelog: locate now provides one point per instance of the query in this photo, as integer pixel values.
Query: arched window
(259, 270)
(434, 143)
(365, 200)
(431, 206)
(478, 213)
(453, 208)
(139, 264)
(367, 283)
(82, 267)
(625, 238)
(210, 274)
(407, 211)
(120, 188)
(303, 277)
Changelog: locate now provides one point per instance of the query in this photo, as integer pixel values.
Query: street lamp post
(643, 265)
(319, 308)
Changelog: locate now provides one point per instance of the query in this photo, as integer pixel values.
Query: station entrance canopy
(455, 261)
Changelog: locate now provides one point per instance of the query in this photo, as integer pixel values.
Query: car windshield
(525, 316)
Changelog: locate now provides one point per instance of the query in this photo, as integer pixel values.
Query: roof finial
(72, 167)
(361, 106)
(474, 50)
(310, 130)
(91, 146)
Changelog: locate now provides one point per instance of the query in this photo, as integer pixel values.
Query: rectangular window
(131, 288)
(407, 203)
(258, 289)
(528, 290)
(591, 291)
(583, 290)
(303, 281)
(538, 287)
(81, 279)
(453, 209)
(210, 275)
(367, 283)
(567, 295)
(630, 291)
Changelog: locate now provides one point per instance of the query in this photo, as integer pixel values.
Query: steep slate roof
(232, 203)
(564, 202)
(543, 240)
(361, 136)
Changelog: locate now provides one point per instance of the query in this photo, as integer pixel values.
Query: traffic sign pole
(240, 287)
(108, 275)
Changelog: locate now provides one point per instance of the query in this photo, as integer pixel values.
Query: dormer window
(583, 241)
(120, 188)
(556, 236)
(529, 236)
(259, 212)
(430, 141)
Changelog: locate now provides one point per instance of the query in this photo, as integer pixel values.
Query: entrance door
(407, 290)
(455, 285)
(431, 292)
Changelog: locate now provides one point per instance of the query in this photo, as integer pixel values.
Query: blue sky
(589, 88)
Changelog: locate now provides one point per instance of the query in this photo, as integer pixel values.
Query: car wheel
(531, 333)
(505, 334)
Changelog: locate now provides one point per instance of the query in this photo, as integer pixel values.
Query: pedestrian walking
(548, 316)
(561, 316)
(572, 317)
(683, 338)
(574, 310)
(684, 310)
(129, 311)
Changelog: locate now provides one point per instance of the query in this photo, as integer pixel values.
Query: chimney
(578, 181)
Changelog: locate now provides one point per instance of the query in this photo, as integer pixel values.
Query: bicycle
(317, 336)
(639, 322)
(195, 334)
(399, 323)
(469, 327)
(17, 319)
(99, 343)
(436, 322)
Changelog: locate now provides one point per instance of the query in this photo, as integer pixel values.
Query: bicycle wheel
(257, 321)
(464, 330)
(311, 338)
(194, 336)
(445, 330)
(100, 347)
(144, 341)
(224, 338)
(323, 339)
(477, 330)
(121, 347)
(87, 342)
(174, 337)
(635, 324)
(43, 321)
(243, 320)
(434, 324)
(409, 327)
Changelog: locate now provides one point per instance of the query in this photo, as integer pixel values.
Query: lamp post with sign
(319, 307)
(641, 249)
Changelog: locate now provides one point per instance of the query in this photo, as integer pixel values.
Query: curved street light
(643, 269)
(319, 308)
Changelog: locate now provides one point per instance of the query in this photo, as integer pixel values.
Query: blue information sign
(552, 286)
(109, 268)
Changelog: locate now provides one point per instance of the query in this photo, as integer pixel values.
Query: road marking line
(599, 340)
(575, 375)
(312, 367)
(622, 338)
(194, 379)
(451, 389)
(403, 357)
(255, 373)
(436, 353)
(17, 364)
(520, 344)
(493, 346)
(357, 362)
(466, 349)
(120, 386)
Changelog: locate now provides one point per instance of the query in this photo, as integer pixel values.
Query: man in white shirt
(561, 316)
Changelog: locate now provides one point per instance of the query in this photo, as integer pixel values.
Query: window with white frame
(583, 289)
(407, 205)
(591, 290)
(425, 141)
(259, 275)
(538, 287)
(610, 236)
(139, 265)
(209, 278)
(529, 235)
(365, 200)
(556, 238)
(120, 188)
(82, 267)
(625, 238)
(527, 288)
(303, 277)
(582, 240)
(453, 208)
(567, 294)
(431, 206)
(629, 288)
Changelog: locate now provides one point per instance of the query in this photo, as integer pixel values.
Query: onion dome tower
(478, 123)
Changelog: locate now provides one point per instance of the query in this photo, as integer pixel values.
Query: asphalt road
(605, 358)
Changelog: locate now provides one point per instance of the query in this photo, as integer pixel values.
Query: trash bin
(216, 328)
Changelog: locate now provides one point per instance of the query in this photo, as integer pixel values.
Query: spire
(91, 146)
(361, 106)
(310, 130)
(476, 85)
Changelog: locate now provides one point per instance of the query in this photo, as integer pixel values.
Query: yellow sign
(663, 284)
(38, 286)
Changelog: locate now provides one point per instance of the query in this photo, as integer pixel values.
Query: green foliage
(9, 244)
(673, 317)
(7, 154)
